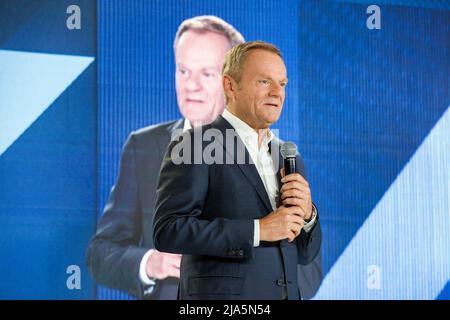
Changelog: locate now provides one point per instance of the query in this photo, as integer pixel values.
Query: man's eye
(264, 82)
(183, 71)
(208, 74)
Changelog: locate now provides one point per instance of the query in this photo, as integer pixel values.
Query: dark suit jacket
(125, 234)
(206, 212)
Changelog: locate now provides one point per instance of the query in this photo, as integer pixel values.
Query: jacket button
(231, 253)
(280, 282)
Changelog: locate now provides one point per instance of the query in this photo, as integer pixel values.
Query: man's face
(258, 99)
(199, 58)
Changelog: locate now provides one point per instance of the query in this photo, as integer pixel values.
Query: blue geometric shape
(368, 99)
(445, 293)
(29, 83)
(48, 198)
(406, 237)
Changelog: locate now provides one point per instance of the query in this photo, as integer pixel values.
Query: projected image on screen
(92, 91)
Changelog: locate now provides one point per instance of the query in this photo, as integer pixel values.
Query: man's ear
(228, 86)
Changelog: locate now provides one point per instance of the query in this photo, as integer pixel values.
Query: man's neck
(262, 132)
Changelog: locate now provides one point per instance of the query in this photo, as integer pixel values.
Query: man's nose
(276, 90)
(193, 82)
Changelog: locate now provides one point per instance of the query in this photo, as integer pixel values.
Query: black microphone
(289, 153)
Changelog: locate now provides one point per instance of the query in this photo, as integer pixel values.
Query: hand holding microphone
(288, 220)
(295, 189)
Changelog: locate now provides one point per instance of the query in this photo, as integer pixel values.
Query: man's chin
(271, 120)
(199, 121)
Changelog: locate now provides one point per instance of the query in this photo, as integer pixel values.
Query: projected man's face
(199, 57)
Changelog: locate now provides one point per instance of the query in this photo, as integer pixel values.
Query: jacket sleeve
(114, 254)
(308, 243)
(310, 277)
(179, 224)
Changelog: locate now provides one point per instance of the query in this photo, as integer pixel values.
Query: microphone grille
(288, 150)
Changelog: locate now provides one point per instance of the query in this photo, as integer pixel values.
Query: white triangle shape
(29, 83)
(402, 249)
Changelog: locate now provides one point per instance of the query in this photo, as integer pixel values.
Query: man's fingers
(295, 177)
(295, 217)
(282, 172)
(174, 261)
(174, 264)
(171, 268)
(173, 272)
(295, 193)
(293, 185)
(291, 236)
(294, 231)
(299, 222)
(297, 211)
(294, 202)
(293, 210)
(297, 226)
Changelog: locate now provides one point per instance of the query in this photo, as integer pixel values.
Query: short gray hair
(209, 23)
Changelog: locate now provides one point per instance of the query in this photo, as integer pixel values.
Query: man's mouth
(194, 100)
(272, 105)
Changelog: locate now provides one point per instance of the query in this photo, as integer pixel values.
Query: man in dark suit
(241, 226)
(121, 255)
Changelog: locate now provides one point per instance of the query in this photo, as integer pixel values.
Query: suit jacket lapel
(176, 125)
(274, 149)
(248, 169)
(164, 139)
